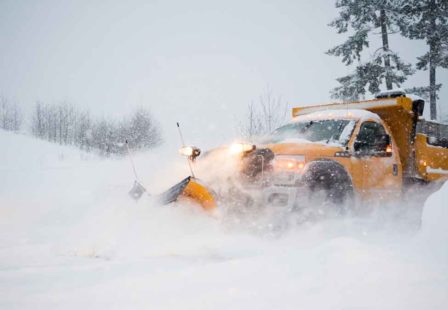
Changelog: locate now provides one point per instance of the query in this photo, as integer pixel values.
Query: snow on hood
(304, 141)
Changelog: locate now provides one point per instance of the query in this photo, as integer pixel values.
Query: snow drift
(70, 238)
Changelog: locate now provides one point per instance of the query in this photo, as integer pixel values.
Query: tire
(328, 184)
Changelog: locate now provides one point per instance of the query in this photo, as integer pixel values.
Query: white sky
(197, 62)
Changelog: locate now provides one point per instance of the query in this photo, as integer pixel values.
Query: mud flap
(191, 188)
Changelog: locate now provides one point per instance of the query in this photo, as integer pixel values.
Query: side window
(437, 134)
(372, 138)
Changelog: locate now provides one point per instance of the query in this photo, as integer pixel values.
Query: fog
(71, 238)
(196, 62)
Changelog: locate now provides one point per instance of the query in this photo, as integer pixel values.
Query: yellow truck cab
(373, 148)
(357, 150)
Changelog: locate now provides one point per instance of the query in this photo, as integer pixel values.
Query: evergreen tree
(428, 20)
(364, 17)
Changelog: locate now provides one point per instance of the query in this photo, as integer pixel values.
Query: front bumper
(282, 190)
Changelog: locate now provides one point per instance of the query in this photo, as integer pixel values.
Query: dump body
(419, 159)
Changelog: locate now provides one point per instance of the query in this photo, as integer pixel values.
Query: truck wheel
(328, 185)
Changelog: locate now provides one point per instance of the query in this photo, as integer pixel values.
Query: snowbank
(71, 238)
(434, 234)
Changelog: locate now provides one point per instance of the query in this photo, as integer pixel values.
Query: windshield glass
(325, 131)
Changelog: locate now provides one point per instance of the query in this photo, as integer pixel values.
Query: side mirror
(190, 151)
(381, 143)
(418, 106)
(358, 145)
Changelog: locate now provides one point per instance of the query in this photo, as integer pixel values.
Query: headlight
(289, 162)
(238, 148)
(190, 151)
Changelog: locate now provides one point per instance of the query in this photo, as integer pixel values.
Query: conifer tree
(428, 20)
(365, 18)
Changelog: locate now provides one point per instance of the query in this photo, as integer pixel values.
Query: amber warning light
(291, 163)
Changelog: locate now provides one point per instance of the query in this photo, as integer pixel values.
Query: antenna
(132, 161)
(138, 189)
(183, 144)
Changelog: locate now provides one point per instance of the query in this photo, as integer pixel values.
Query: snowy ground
(70, 238)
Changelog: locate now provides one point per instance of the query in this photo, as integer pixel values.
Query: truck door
(379, 161)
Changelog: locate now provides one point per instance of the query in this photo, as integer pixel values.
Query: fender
(329, 175)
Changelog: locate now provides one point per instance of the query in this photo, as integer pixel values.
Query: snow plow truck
(374, 150)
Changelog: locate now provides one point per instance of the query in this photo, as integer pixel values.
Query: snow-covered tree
(83, 131)
(10, 115)
(364, 18)
(264, 115)
(141, 130)
(428, 20)
(444, 118)
(252, 125)
(37, 122)
(65, 124)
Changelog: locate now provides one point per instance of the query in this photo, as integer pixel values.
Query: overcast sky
(197, 62)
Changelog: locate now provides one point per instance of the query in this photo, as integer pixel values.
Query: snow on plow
(189, 188)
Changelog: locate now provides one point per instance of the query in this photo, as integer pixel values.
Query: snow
(434, 235)
(414, 97)
(436, 170)
(358, 114)
(70, 238)
(392, 92)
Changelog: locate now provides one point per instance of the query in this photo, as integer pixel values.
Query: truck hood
(307, 149)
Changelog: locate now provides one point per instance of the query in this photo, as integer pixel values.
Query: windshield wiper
(306, 127)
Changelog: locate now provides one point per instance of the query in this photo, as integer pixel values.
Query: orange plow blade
(199, 193)
(193, 189)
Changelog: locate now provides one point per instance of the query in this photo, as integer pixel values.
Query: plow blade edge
(191, 188)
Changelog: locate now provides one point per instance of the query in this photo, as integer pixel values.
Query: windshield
(326, 131)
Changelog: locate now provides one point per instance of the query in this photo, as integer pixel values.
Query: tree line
(66, 124)
(10, 115)
(378, 65)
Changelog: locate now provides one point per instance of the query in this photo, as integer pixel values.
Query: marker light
(190, 151)
(238, 148)
(291, 163)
